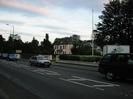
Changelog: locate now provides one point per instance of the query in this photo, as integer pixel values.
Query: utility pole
(12, 36)
(92, 34)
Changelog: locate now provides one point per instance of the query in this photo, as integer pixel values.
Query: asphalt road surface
(21, 81)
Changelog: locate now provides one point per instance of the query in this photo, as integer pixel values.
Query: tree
(81, 48)
(128, 22)
(46, 46)
(47, 37)
(2, 41)
(116, 24)
(31, 47)
(18, 44)
(27, 48)
(9, 46)
(34, 46)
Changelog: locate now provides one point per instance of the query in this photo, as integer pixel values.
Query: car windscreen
(106, 58)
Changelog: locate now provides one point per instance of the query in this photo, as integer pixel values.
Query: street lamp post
(12, 28)
(92, 34)
(12, 35)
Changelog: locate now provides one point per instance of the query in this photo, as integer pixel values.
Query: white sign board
(116, 49)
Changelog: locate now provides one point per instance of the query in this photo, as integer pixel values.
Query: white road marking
(53, 73)
(99, 86)
(74, 82)
(75, 79)
(101, 82)
(41, 71)
(103, 85)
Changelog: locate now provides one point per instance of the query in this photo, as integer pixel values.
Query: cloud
(75, 4)
(60, 18)
(53, 27)
(24, 6)
(11, 22)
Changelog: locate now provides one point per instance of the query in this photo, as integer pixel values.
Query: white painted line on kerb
(74, 82)
(101, 82)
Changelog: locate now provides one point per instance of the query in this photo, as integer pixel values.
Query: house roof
(60, 41)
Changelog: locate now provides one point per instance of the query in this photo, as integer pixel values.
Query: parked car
(13, 57)
(117, 65)
(4, 55)
(39, 60)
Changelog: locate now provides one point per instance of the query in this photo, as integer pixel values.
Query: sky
(58, 18)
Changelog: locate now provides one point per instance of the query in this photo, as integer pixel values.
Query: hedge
(80, 58)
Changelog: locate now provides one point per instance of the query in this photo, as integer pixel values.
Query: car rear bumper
(45, 64)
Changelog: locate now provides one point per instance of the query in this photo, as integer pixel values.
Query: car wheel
(47, 66)
(110, 76)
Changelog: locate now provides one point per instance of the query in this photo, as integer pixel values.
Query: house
(63, 45)
(63, 49)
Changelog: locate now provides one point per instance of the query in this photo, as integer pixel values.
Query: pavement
(93, 64)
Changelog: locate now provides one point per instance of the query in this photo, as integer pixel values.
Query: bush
(80, 58)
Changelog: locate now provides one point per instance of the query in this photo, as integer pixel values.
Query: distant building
(63, 48)
(64, 45)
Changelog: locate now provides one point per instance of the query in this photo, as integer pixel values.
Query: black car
(117, 66)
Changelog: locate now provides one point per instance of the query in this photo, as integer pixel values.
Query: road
(59, 82)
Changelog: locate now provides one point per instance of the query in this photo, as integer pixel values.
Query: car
(13, 57)
(4, 55)
(117, 66)
(39, 60)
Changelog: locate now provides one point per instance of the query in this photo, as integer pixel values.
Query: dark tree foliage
(116, 26)
(32, 47)
(47, 37)
(2, 41)
(18, 44)
(46, 46)
(81, 48)
(9, 46)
